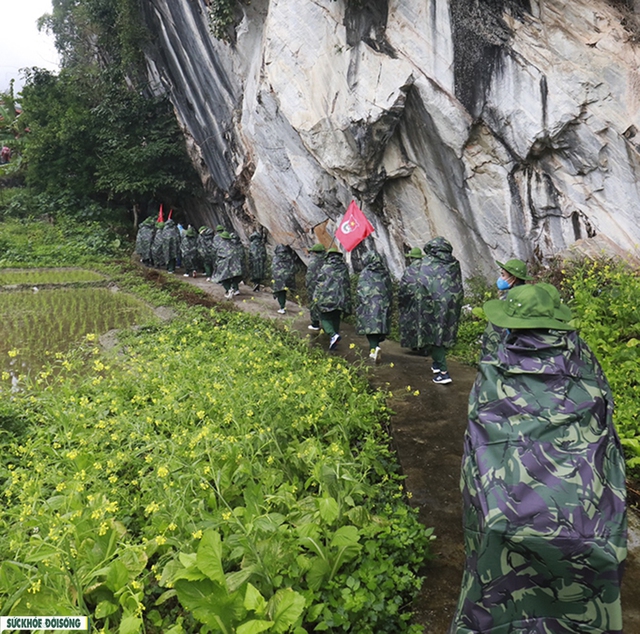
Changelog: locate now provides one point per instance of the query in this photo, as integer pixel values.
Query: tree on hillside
(100, 141)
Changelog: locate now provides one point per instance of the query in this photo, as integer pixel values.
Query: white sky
(21, 44)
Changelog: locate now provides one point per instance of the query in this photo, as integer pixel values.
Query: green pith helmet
(317, 248)
(416, 252)
(203, 228)
(561, 311)
(515, 267)
(334, 250)
(525, 307)
(219, 228)
(226, 235)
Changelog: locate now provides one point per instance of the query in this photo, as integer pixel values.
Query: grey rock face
(508, 126)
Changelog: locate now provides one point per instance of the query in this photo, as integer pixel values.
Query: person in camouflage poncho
(332, 294)
(283, 269)
(229, 260)
(257, 259)
(512, 273)
(189, 251)
(171, 244)
(218, 241)
(543, 483)
(316, 255)
(207, 251)
(440, 274)
(373, 309)
(412, 302)
(144, 240)
(157, 247)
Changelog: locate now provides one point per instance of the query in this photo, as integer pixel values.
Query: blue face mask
(502, 284)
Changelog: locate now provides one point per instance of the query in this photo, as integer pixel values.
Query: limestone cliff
(508, 126)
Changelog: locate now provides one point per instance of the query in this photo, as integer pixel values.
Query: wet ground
(428, 431)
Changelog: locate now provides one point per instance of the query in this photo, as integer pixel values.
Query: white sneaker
(282, 311)
(185, 275)
(229, 294)
(334, 341)
(312, 327)
(208, 279)
(236, 292)
(376, 355)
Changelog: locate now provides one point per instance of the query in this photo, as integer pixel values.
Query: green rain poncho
(283, 268)
(543, 485)
(333, 286)
(374, 293)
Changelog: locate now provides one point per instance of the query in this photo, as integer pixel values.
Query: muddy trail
(427, 429)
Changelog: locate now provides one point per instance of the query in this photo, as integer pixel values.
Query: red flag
(353, 228)
(170, 214)
(160, 215)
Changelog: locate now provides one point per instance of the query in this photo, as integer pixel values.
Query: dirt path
(428, 431)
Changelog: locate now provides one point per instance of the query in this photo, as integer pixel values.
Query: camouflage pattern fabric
(315, 264)
(257, 257)
(283, 268)
(189, 250)
(170, 240)
(206, 248)
(440, 274)
(229, 258)
(157, 247)
(144, 240)
(374, 293)
(543, 484)
(333, 286)
(218, 242)
(413, 307)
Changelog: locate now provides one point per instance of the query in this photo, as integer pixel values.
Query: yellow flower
(151, 508)
(13, 353)
(352, 346)
(172, 526)
(163, 472)
(416, 393)
(197, 534)
(391, 365)
(160, 540)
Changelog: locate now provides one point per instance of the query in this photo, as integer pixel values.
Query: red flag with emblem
(353, 228)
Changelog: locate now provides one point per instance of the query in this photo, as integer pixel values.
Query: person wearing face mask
(512, 273)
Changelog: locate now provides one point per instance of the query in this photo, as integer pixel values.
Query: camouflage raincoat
(228, 260)
(543, 484)
(189, 250)
(257, 257)
(413, 307)
(157, 247)
(440, 274)
(206, 248)
(144, 240)
(374, 293)
(283, 268)
(170, 240)
(315, 264)
(333, 286)
(218, 242)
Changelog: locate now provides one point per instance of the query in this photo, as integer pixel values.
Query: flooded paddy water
(46, 312)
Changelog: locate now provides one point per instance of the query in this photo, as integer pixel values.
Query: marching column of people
(543, 472)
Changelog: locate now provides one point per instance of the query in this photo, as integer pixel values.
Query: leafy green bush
(605, 296)
(215, 471)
